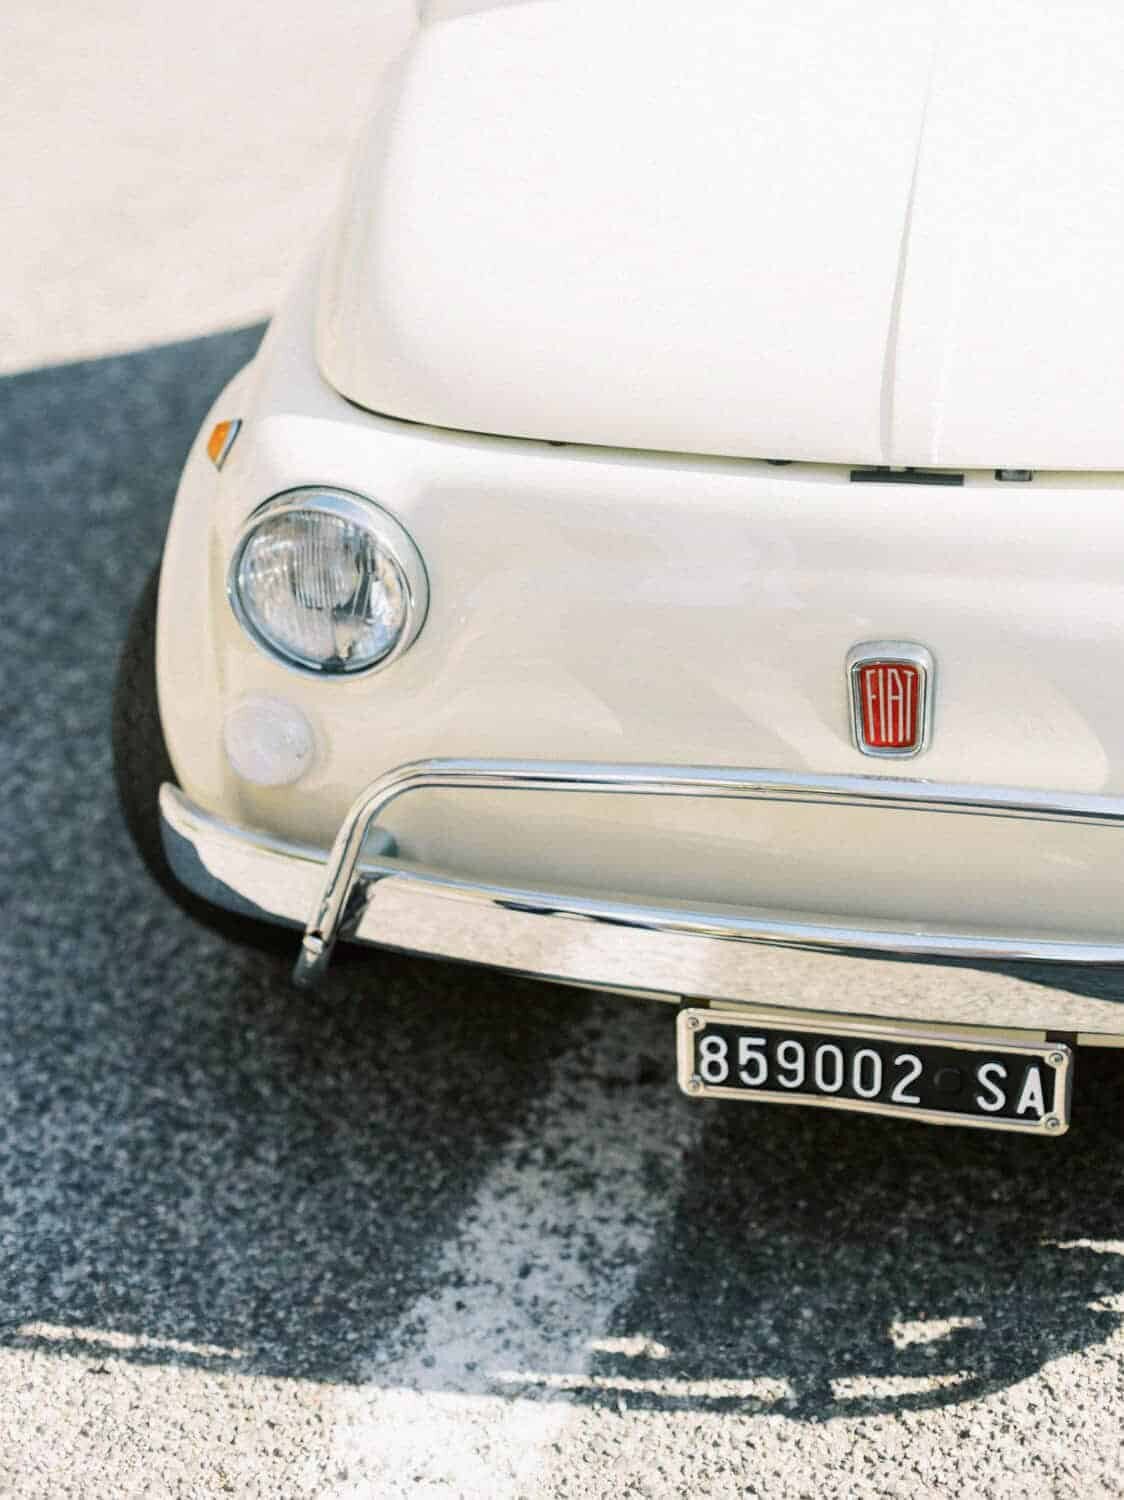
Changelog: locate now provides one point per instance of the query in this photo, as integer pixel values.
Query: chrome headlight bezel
(389, 535)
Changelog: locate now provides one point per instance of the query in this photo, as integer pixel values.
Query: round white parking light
(268, 742)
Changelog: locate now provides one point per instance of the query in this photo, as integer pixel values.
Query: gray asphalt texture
(219, 1200)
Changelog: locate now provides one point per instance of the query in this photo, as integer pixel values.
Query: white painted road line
(547, 1253)
(109, 1341)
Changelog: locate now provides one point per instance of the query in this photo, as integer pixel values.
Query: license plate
(784, 1058)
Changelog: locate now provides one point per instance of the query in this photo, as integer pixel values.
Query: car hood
(854, 231)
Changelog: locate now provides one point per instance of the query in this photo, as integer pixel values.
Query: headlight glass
(328, 582)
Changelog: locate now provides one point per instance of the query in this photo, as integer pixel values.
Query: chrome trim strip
(668, 950)
(323, 926)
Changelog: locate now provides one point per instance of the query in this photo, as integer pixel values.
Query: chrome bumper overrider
(365, 892)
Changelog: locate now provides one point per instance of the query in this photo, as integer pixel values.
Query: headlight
(327, 582)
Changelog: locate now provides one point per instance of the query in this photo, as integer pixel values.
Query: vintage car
(672, 541)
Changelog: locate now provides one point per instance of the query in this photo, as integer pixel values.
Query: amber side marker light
(221, 441)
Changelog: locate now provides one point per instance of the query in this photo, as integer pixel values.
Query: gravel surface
(433, 1232)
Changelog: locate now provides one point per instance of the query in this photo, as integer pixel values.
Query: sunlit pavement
(166, 165)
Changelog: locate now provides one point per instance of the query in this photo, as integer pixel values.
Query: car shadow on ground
(199, 1167)
(194, 1161)
(854, 1266)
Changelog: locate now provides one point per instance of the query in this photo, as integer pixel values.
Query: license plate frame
(849, 1036)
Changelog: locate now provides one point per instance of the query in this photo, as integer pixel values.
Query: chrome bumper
(364, 892)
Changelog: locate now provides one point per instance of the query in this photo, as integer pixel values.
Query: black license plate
(785, 1058)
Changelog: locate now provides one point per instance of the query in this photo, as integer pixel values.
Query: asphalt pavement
(434, 1232)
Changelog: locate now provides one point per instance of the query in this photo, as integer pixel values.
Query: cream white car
(672, 541)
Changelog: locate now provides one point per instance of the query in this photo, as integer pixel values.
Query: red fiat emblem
(890, 688)
(889, 693)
